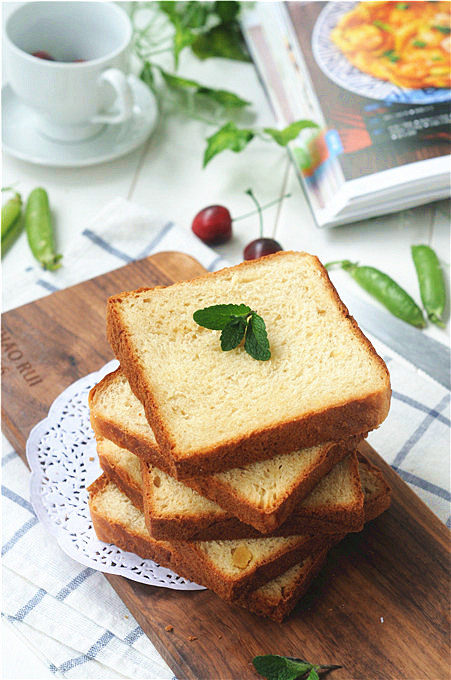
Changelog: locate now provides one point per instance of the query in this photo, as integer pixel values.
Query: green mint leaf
(223, 41)
(229, 136)
(418, 43)
(227, 99)
(194, 14)
(446, 30)
(391, 55)
(227, 10)
(233, 333)
(217, 317)
(313, 675)
(282, 137)
(274, 667)
(256, 343)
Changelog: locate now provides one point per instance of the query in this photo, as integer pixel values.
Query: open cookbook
(376, 78)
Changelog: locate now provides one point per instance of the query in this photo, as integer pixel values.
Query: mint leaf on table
(233, 333)
(217, 317)
(230, 137)
(256, 343)
(275, 667)
(223, 41)
(313, 675)
(282, 137)
(237, 322)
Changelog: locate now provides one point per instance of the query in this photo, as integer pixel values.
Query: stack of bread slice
(236, 473)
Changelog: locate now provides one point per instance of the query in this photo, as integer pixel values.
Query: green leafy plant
(275, 667)
(236, 322)
(208, 29)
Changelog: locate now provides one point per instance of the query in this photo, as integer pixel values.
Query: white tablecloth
(70, 615)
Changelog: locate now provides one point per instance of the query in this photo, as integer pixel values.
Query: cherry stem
(267, 205)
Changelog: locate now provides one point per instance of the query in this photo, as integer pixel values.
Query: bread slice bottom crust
(207, 521)
(276, 597)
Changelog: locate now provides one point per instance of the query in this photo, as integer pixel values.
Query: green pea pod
(11, 213)
(431, 282)
(12, 234)
(385, 290)
(39, 229)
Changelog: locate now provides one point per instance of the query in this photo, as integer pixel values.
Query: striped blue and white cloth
(68, 614)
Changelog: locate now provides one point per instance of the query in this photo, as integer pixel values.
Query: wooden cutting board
(379, 608)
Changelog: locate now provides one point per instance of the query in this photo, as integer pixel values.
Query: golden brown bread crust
(303, 520)
(190, 562)
(279, 610)
(331, 424)
(107, 428)
(112, 532)
(123, 481)
(267, 521)
(208, 486)
(375, 506)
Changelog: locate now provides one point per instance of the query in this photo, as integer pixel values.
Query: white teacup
(73, 100)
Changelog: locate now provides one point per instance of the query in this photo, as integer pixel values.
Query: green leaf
(384, 27)
(177, 82)
(418, 43)
(217, 317)
(446, 30)
(227, 99)
(229, 136)
(146, 75)
(274, 667)
(256, 343)
(227, 11)
(402, 5)
(221, 41)
(282, 137)
(183, 37)
(233, 333)
(313, 675)
(391, 55)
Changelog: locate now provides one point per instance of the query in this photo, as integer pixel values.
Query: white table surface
(166, 175)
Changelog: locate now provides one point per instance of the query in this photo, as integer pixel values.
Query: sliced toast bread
(117, 521)
(228, 567)
(176, 512)
(277, 598)
(262, 494)
(210, 410)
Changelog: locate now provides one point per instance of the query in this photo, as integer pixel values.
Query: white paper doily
(61, 452)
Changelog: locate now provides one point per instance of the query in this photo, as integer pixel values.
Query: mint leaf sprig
(275, 667)
(236, 322)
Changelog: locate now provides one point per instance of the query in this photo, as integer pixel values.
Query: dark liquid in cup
(42, 54)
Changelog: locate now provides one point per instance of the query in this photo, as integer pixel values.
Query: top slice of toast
(212, 410)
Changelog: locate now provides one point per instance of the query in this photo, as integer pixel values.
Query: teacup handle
(124, 97)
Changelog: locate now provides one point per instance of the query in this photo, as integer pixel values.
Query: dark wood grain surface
(380, 605)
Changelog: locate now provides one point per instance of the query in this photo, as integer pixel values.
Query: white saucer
(22, 139)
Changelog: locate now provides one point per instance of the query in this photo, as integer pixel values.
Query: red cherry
(213, 225)
(43, 55)
(261, 247)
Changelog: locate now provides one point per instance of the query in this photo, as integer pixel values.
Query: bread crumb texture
(318, 359)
